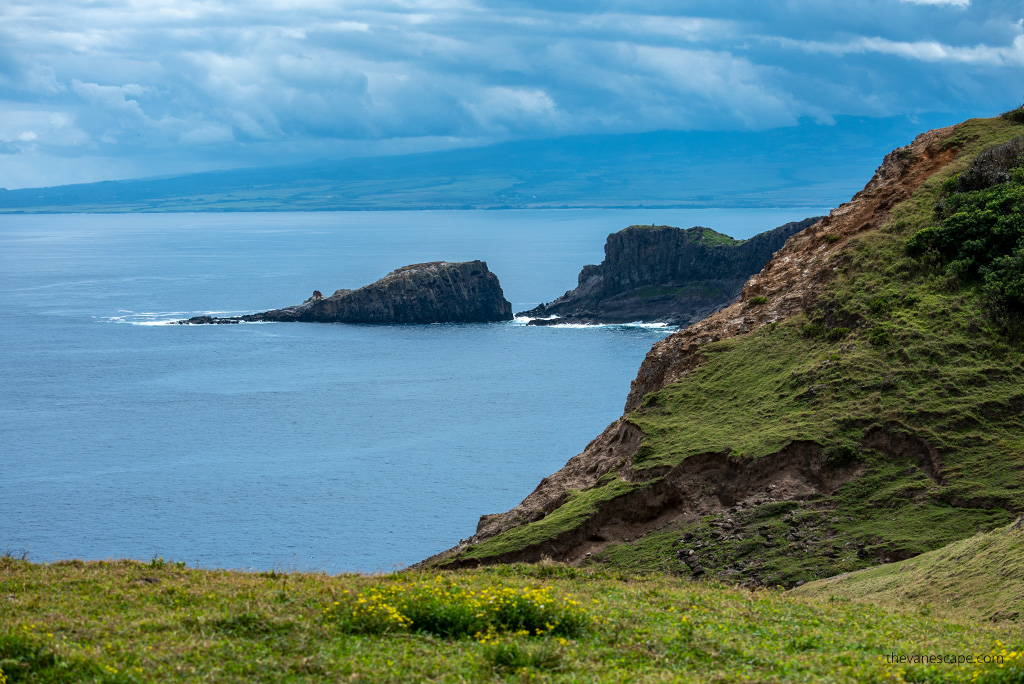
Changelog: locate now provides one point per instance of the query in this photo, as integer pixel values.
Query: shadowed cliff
(662, 273)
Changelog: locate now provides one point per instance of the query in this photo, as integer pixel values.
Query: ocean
(290, 446)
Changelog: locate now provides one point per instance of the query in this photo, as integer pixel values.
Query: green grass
(893, 346)
(567, 517)
(705, 236)
(980, 575)
(126, 621)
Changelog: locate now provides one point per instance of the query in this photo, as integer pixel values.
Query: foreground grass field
(126, 621)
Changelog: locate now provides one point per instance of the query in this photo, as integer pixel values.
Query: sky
(103, 89)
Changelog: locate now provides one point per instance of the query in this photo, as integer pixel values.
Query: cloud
(164, 81)
(24, 130)
(953, 3)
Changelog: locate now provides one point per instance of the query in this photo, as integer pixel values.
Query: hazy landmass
(803, 166)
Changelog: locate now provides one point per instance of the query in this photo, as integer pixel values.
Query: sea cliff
(662, 273)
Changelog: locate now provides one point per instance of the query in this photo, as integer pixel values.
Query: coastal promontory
(663, 273)
(435, 292)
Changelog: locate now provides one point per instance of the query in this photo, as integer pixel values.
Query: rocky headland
(663, 273)
(435, 292)
(828, 419)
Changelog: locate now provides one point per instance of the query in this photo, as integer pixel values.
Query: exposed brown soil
(608, 451)
(701, 485)
(899, 445)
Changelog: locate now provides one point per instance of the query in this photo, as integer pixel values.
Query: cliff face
(661, 273)
(436, 292)
(826, 421)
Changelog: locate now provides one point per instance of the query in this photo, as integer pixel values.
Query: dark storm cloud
(157, 85)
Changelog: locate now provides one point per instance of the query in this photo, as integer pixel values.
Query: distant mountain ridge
(658, 169)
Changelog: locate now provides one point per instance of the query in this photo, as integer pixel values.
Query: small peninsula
(435, 292)
(662, 273)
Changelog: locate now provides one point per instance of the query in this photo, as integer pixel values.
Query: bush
(992, 167)
(1015, 115)
(981, 238)
(1003, 281)
(836, 334)
(446, 608)
(879, 336)
(878, 305)
(814, 330)
(759, 300)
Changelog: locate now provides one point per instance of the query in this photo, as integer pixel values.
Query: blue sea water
(291, 446)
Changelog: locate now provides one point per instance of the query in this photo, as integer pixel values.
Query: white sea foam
(160, 317)
(634, 324)
(524, 320)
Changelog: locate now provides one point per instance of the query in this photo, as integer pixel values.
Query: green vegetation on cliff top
(901, 343)
(701, 234)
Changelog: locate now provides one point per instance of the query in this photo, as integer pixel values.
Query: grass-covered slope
(119, 622)
(978, 576)
(904, 382)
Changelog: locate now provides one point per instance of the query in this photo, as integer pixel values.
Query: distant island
(436, 292)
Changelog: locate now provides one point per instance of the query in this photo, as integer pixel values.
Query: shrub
(1015, 115)
(981, 238)
(879, 336)
(814, 330)
(836, 334)
(831, 238)
(444, 607)
(878, 305)
(759, 300)
(992, 167)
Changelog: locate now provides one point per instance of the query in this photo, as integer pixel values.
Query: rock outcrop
(662, 273)
(436, 292)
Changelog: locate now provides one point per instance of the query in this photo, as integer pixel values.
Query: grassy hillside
(908, 372)
(979, 576)
(126, 621)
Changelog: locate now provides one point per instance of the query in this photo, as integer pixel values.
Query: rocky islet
(435, 292)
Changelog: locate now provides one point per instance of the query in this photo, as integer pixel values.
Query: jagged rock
(662, 273)
(436, 292)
